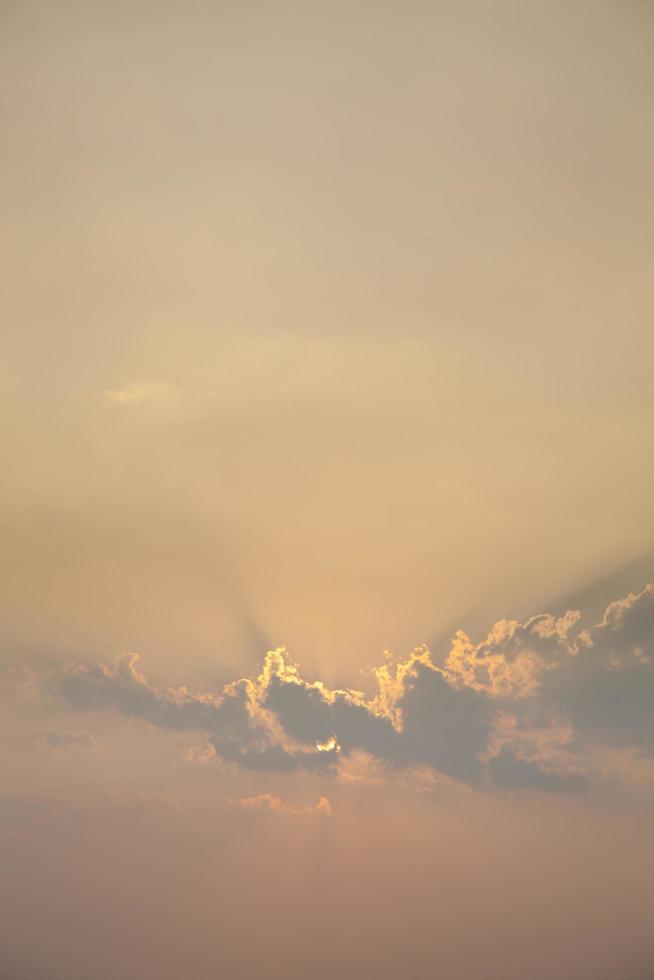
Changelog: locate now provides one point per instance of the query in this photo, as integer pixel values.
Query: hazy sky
(327, 326)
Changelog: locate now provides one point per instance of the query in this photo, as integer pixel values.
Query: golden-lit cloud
(526, 707)
(268, 803)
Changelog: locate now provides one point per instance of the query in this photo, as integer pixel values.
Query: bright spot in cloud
(329, 745)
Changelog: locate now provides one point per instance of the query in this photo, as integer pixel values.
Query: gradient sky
(326, 330)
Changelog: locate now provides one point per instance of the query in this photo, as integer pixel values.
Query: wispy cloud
(138, 392)
(68, 740)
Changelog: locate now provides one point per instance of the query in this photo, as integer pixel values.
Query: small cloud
(153, 392)
(201, 755)
(68, 740)
(362, 768)
(267, 803)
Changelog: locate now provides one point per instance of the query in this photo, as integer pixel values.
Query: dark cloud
(607, 687)
(442, 726)
(509, 771)
(121, 686)
(526, 707)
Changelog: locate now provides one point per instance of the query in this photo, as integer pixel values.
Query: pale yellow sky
(327, 325)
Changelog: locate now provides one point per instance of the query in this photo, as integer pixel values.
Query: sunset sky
(326, 370)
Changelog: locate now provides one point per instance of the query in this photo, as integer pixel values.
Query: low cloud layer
(540, 705)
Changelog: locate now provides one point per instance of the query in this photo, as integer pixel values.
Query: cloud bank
(540, 705)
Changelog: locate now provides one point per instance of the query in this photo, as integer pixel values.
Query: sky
(327, 617)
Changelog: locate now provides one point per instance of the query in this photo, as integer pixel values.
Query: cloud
(531, 706)
(267, 803)
(68, 740)
(511, 660)
(121, 686)
(607, 687)
(509, 770)
(200, 755)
